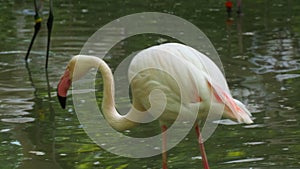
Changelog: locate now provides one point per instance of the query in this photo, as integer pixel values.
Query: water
(259, 51)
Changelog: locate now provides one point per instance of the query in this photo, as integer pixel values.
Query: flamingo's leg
(49, 27)
(164, 147)
(37, 28)
(202, 149)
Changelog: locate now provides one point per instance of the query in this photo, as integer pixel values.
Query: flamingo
(37, 27)
(189, 67)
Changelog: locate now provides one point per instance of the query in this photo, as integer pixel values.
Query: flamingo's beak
(63, 87)
(62, 101)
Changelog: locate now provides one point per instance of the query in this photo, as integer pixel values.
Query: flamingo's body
(186, 77)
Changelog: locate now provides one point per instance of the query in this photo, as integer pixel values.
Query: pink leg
(202, 149)
(164, 147)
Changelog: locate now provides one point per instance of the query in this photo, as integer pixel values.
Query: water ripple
(281, 77)
(274, 52)
(18, 120)
(266, 64)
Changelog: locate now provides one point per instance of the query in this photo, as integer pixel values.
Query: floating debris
(197, 158)
(244, 160)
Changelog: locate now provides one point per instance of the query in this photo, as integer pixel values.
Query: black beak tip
(62, 101)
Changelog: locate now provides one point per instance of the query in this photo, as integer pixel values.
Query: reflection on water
(280, 55)
(259, 50)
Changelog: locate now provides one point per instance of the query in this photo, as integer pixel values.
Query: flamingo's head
(65, 82)
(236, 110)
(83, 65)
(233, 108)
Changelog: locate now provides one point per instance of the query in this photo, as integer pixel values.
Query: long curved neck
(116, 120)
